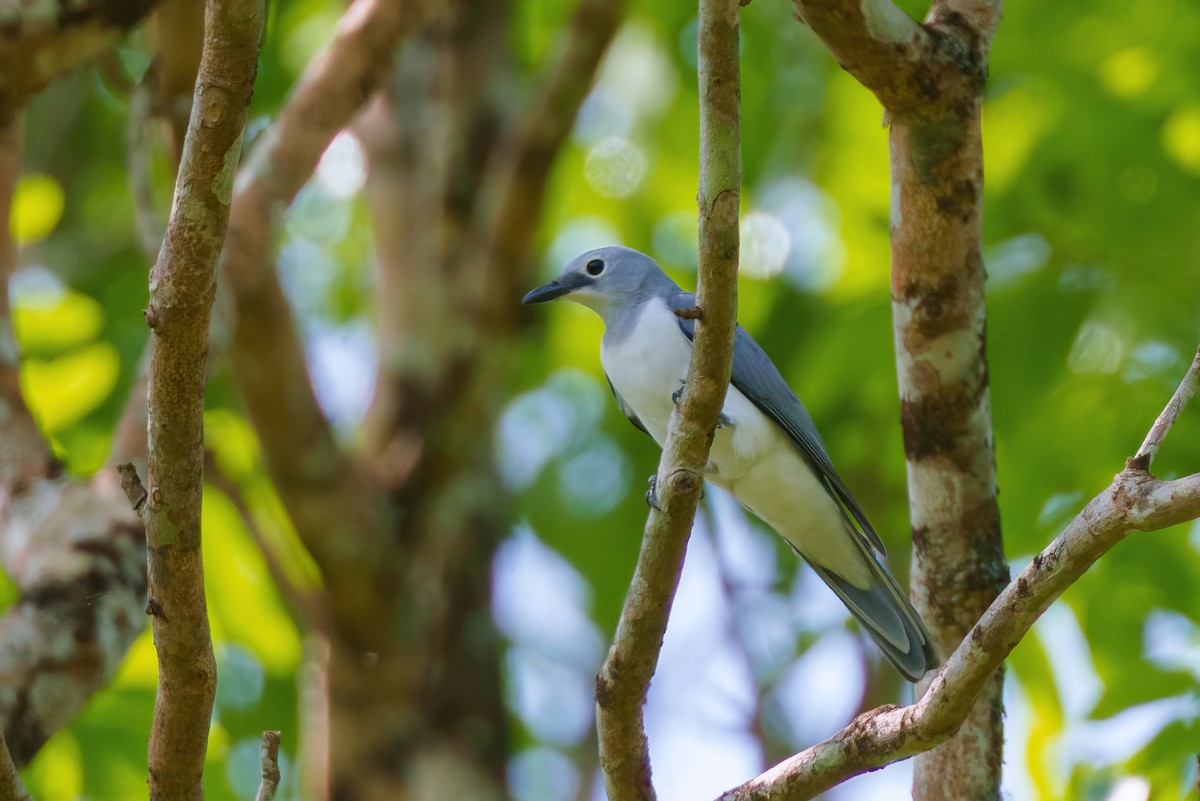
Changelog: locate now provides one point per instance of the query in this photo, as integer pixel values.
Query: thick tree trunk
(938, 308)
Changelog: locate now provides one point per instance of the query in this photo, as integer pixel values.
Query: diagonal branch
(624, 678)
(182, 288)
(1162, 426)
(40, 41)
(523, 161)
(1135, 501)
(267, 354)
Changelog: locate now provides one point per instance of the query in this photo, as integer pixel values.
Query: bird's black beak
(556, 289)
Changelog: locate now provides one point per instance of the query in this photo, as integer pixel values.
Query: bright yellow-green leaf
(1181, 137)
(1012, 124)
(234, 442)
(140, 667)
(62, 391)
(57, 773)
(242, 600)
(37, 208)
(1130, 72)
(57, 324)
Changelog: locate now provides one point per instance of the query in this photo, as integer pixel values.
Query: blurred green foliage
(1092, 226)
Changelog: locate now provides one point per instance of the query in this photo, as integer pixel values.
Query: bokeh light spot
(614, 167)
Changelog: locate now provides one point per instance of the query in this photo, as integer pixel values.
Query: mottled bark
(269, 763)
(77, 554)
(624, 678)
(930, 79)
(1135, 501)
(73, 549)
(182, 287)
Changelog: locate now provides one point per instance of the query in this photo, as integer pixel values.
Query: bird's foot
(677, 395)
(652, 493)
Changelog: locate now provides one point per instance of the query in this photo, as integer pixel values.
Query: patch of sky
(1016, 257)
(541, 601)
(541, 424)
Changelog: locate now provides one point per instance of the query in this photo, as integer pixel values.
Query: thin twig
(269, 762)
(11, 787)
(1158, 432)
(182, 286)
(624, 678)
(1135, 501)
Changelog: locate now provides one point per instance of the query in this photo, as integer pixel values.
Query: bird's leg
(724, 421)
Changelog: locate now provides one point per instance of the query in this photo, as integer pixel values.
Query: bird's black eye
(595, 267)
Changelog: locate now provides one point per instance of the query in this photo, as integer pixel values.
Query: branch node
(689, 314)
(150, 315)
(131, 483)
(154, 608)
(269, 763)
(1139, 463)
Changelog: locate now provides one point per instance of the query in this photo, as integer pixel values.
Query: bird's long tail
(886, 614)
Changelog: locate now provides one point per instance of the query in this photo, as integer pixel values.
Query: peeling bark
(930, 80)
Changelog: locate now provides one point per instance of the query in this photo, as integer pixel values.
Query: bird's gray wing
(759, 380)
(624, 407)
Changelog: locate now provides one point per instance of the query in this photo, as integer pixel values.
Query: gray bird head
(608, 280)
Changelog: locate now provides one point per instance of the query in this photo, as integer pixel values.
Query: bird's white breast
(649, 363)
(754, 459)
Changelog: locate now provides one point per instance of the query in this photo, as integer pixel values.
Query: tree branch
(624, 678)
(40, 41)
(523, 160)
(78, 556)
(331, 505)
(874, 41)
(11, 787)
(269, 762)
(930, 79)
(182, 287)
(1135, 501)
(1158, 432)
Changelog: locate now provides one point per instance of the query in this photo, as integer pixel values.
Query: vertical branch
(624, 678)
(930, 80)
(268, 758)
(940, 322)
(182, 287)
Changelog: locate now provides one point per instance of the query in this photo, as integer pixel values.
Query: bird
(766, 451)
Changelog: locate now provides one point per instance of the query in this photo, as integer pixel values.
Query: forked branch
(1135, 501)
